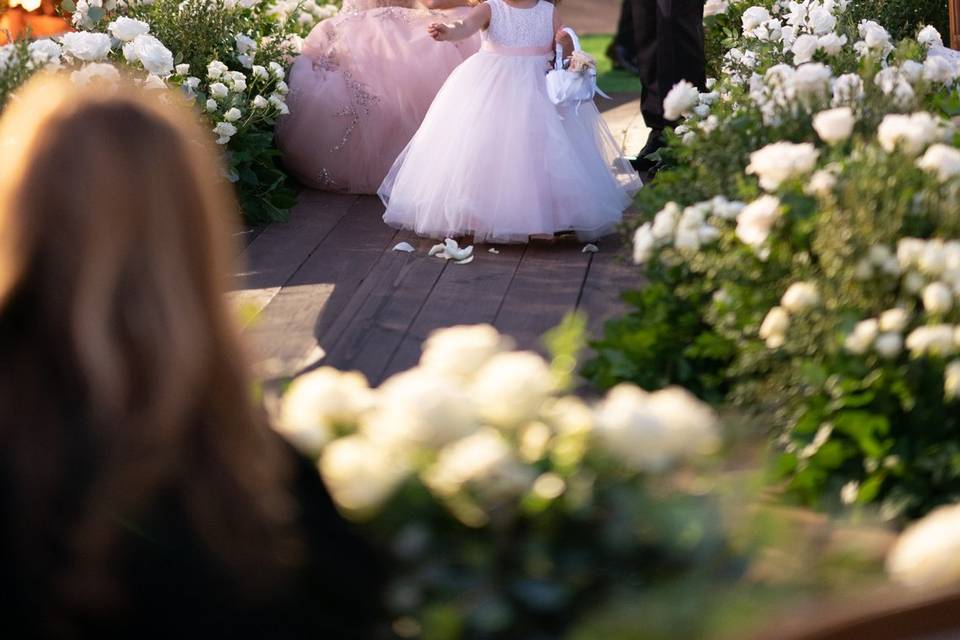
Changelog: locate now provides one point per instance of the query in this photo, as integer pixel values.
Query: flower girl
(494, 157)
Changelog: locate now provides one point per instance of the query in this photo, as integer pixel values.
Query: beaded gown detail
(360, 89)
(496, 159)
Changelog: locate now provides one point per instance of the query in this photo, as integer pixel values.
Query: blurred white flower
(89, 47)
(260, 72)
(259, 102)
(756, 221)
(360, 474)
(850, 492)
(715, 7)
(937, 298)
(781, 161)
(752, 18)
(461, 351)
(910, 133)
(277, 70)
(831, 43)
(420, 408)
(279, 104)
(834, 125)
(909, 251)
(153, 82)
(821, 183)
(941, 159)
(774, 328)
(895, 320)
(244, 43)
(811, 81)
(319, 402)
(800, 297)
(876, 39)
(933, 258)
(95, 71)
(912, 71)
(212, 104)
(929, 37)
(511, 388)
(939, 69)
(927, 554)
(483, 462)
(821, 20)
(847, 89)
(665, 221)
(232, 115)
(183, 69)
(643, 243)
(863, 337)
(889, 345)
(951, 381)
(935, 340)
(680, 100)
(127, 29)
(44, 52)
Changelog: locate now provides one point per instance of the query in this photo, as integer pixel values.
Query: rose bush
(511, 509)
(822, 289)
(229, 56)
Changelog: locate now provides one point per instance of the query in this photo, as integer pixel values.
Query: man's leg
(645, 29)
(623, 50)
(680, 50)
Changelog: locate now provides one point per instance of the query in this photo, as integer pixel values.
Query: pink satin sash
(493, 47)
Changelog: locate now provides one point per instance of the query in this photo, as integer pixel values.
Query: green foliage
(902, 18)
(15, 68)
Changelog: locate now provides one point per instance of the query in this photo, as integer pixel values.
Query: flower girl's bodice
(516, 27)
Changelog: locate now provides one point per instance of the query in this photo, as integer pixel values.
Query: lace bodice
(516, 27)
(363, 5)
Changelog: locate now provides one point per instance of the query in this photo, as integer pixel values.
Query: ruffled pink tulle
(359, 91)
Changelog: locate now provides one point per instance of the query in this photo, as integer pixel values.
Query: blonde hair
(121, 359)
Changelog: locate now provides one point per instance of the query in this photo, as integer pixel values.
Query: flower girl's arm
(478, 18)
(562, 37)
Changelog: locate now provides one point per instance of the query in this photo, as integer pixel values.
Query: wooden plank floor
(327, 288)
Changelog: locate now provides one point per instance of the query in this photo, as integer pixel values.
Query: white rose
(800, 297)
(511, 388)
(420, 408)
(485, 463)
(927, 554)
(277, 70)
(933, 259)
(821, 21)
(89, 47)
(804, 47)
(665, 222)
(780, 161)
(219, 90)
(863, 337)
(937, 298)
(681, 99)
(643, 244)
(260, 72)
(212, 104)
(184, 69)
(151, 53)
(461, 351)
(318, 403)
(876, 39)
(912, 71)
(279, 104)
(774, 328)
(910, 133)
(939, 69)
(812, 80)
(127, 29)
(216, 69)
(715, 7)
(259, 102)
(951, 381)
(630, 432)
(753, 18)
(95, 71)
(245, 43)
(894, 320)
(909, 251)
(821, 183)
(224, 131)
(44, 51)
(757, 219)
(834, 125)
(932, 340)
(943, 160)
(929, 37)
(232, 115)
(847, 89)
(360, 474)
(831, 43)
(889, 345)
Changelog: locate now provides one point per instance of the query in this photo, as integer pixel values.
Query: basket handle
(576, 47)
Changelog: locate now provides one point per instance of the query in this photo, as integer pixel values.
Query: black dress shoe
(622, 59)
(643, 161)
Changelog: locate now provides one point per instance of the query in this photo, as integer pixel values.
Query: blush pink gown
(360, 89)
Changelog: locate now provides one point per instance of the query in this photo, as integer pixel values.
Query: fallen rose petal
(590, 248)
(436, 249)
(494, 251)
(465, 261)
(406, 247)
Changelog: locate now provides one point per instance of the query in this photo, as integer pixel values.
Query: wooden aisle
(327, 287)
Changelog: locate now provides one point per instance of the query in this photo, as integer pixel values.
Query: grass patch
(609, 80)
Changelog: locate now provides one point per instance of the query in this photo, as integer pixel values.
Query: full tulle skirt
(359, 91)
(495, 159)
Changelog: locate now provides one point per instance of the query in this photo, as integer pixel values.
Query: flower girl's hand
(439, 31)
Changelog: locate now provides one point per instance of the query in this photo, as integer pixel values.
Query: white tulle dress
(495, 159)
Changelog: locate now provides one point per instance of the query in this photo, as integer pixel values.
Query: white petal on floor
(435, 249)
(493, 251)
(590, 248)
(465, 260)
(406, 247)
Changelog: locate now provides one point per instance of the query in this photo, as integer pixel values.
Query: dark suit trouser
(625, 35)
(669, 40)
